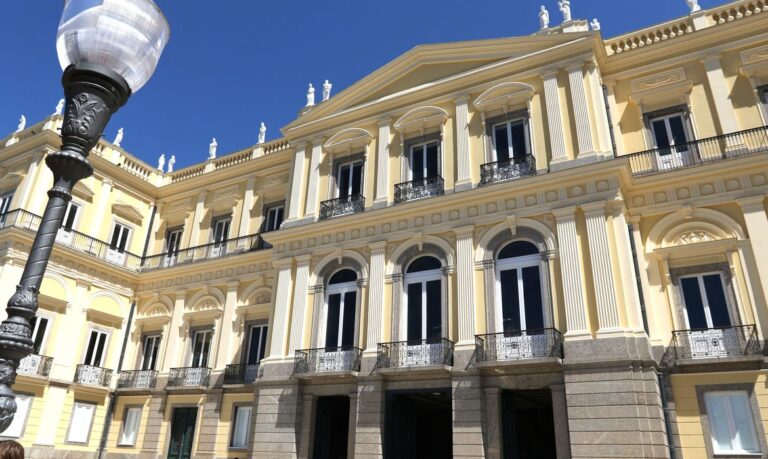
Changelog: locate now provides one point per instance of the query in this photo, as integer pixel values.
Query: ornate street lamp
(108, 49)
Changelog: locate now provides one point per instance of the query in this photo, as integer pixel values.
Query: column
(463, 179)
(601, 114)
(314, 175)
(281, 308)
(570, 271)
(720, 94)
(382, 165)
(174, 340)
(297, 182)
(23, 192)
(375, 296)
(465, 286)
(197, 219)
(602, 270)
(618, 138)
(757, 227)
(629, 275)
(100, 207)
(223, 354)
(299, 303)
(554, 117)
(245, 213)
(580, 110)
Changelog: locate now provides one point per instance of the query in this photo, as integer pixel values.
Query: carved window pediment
(421, 120)
(128, 212)
(348, 140)
(504, 97)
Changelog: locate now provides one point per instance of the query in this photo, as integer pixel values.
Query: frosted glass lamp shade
(125, 36)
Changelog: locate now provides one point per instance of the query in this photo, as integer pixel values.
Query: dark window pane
(263, 348)
(91, 346)
(414, 311)
(432, 160)
(253, 346)
(534, 312)
(357, 178)
(518, 249)
(332, 324)
(502, 143)
(510, 300)
(693, 303)
(660, 134)
(348, 330)
(417, 162)
(123, 240)
(519, 148)
(70, 221)
(115, 235)
(99, 349)
(344, 180)
(718, 307)
(343, 276)
(678, 130)
(424, 264)
(39, 333)
(434, 310)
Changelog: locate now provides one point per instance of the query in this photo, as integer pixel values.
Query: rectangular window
(39, 333)
(424, 161)
(350, 179)
(173, 241)
(5, 204)
(120, 236)
(97, 348)
(221, 228)
(151, 348)
(80, 424)
(70, 216)
(257, 344)
(274, 218)
(705, 301)
(510, 141)
(731, 423)
(240, 427)
(16, 429)
(130, 426)
(670, 131)
(201, 347)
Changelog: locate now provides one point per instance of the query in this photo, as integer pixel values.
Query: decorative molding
(127, 212)
(421, 119)
(694, 237)
(83, 191)
(504, 96)
(659, 79)
(348, 140)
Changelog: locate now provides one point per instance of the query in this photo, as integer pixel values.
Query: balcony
(724, 344)
(35, 365)
(241, 374)
(189, 377)
(29, 222)
(418, 189)
(526, 346)
(347, 205)
(93, 376)
(415, 353)
(502, 171)
(205, 252)
(137, 379)
(698, 152)
(327, 360)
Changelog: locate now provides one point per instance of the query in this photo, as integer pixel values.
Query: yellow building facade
(553, 245)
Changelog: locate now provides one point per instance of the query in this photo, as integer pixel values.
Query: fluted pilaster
(382, 164)
(376, 295)
(465, 284)
(580, 109)
(554, 117)
(602, 270)
(297, 182)
(281, 308)
(299, 303)
(464, 179)
(570, 269)
(314, 175)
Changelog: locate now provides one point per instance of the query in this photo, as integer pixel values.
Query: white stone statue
(118, 137)
(543, 18)
(22, 123)
(171, 163)
(262, 133)
(161, 162)
(59, 107)
(310, 96)
(565, 8)
(595, 24)
(212, 149)
(327, 90)
(693, 5)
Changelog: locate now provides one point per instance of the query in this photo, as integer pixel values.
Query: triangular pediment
(432, 65)
(127, 212)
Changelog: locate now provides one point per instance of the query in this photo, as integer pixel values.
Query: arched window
(423, 299)
(519, 288)
(339, 313)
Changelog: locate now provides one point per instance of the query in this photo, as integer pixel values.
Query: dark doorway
(528, 427)
(182, 433)
(418, 425)
(331, 428)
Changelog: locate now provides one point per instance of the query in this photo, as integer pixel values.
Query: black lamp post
(108, 49)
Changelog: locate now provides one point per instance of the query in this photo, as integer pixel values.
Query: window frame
(259, 349)
(71, 418)
(18, 418)
(517, 263)
(423, 145)
(108, 335)
(524, 120)
(338, 289)
(159, 339)
(210, 330)
(236, 407)
(126, 410)
(215, 221)
(268, 209)
(169, 233)
(47, 332)
(5, 205)
(749, 389)
(708, 315)
(118, 222)
(351, 163)
(76, 220)
(423, 277)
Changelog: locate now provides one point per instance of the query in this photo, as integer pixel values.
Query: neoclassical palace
(546, 246)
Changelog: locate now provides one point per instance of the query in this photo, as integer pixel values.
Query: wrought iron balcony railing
(416, 353)
(511, 169)
(137, 379)
(35, 365)
(417, 189)
(714, 343)
(346, 358)
(351, 204)
(239, 245)
(241, 374)
(697, 152)
(189, 377)
(94, 376)
(29, 222)
(519, 345)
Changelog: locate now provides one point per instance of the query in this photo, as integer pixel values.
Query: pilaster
(226, 332)
(23, 192)
(580, 110)
(299, 303)
(554, 117)
(382, 164)
(197, 219)
(602, 270)
(720, 94)
(375, 296)
(245, 213)
(314, 176)
(282, 307)
(465, 284)
(101, 205)
(601, 114)
(297, 184)
(757, 226)
(463, 160)
(570, 270)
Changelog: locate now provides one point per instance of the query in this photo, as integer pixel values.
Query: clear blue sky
(233, 63)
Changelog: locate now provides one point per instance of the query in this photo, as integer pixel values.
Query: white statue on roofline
(22, 123)
(212, 149)
(565, 8)
(161, 162)
(693, 5)
(262, 133)
(310, 96)
(171, 163)
(118, 137)
(543, 17)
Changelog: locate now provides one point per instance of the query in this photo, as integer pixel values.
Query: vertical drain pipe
(638, 280)
(113, 395)
(667, 413)
(610, 120)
